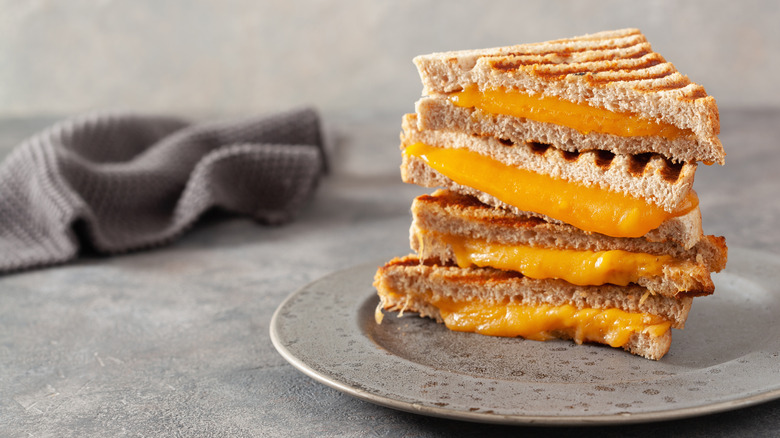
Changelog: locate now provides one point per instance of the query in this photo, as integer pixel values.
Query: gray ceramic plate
(727, 357)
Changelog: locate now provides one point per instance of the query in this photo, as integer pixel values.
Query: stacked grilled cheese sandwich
(565, 207)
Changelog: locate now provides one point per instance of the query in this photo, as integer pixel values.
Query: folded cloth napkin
(116, 182)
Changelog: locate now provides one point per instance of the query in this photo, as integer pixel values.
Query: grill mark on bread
(467, 276)
(645, 50)
(695, 93)
(570, 155)
(671, 171)
(650, 74)
(454, 202)
(538, 148)
(604, 159)
(611, 59)
(638, 162)
(517, 223)
(606, 58)
(497, 276)
(628, 68)
(667, 85)
(656, 72)
(673, 80)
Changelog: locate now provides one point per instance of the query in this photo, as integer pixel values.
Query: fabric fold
(130, 181)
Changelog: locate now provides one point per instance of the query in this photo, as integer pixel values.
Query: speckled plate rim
(329, 374)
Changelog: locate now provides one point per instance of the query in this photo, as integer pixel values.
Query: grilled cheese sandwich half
(504, 303)
(609, 83)
(451, 228)
(597, 192)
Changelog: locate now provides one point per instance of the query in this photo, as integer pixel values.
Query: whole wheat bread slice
(444, 214)
(439, 113)
(406, 284)
(614, 70)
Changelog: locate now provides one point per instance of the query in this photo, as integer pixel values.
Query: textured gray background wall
(204, 57)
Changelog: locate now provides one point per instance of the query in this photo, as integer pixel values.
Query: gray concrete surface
(174, 341)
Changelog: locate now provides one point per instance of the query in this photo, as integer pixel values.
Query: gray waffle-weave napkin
(116, 182)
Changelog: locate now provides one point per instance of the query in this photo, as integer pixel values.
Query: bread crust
(405, 284)
(614, 70)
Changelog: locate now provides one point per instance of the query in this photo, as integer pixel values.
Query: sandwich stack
(564, 206)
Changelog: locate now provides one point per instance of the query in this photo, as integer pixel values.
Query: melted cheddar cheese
(610, 326)
(550, 109)
(577, 267)
(588, 208)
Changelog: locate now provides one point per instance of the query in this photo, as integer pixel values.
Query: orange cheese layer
(577, 267)
(611, 326)
(550, 109)
(588, 208)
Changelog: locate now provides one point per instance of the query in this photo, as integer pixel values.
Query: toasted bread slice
(438, 113)
(650, 177)
(616, 70)
(446, 221)
(406, 284)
